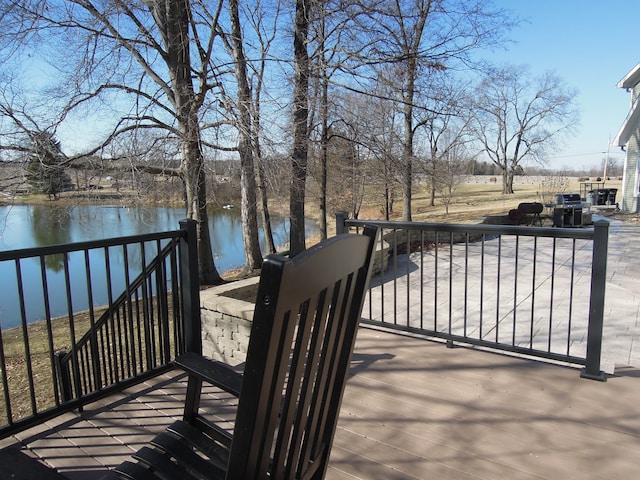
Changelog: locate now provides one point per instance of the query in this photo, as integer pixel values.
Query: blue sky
(591, 46)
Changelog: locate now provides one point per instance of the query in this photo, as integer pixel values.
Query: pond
(25, 226)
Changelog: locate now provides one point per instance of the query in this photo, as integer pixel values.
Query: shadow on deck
(412, 409)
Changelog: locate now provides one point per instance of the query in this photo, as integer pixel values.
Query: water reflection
(25, 226)
(50, 226)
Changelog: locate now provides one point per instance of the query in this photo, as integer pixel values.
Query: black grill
(568, 210)
(568, 199)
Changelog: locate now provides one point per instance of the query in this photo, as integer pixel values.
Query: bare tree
(299, 156)
(322, 77)
(450, 174)
(140, 52)
(372, 127)
(253, 255)
(445, 126)
(330, 34)
(265, 36)
(405, 26)
(422, 36)
(348, 171)
(518, 117)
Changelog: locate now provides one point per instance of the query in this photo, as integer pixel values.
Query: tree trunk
(407, 148)
(300, 128)
(507, 181)
(262, 183)
(257, 152)
(407, 174)
(433, 168)
(324, 144)
(196, 195)
(248, 205)
(324, 134)
(266, 216)
(173, 20)
(387, 210)
(248, 208)
(406, 189)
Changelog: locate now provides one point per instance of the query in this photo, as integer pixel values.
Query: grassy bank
(13, 341)
(476, 197)
(480, 196)
(44, 339)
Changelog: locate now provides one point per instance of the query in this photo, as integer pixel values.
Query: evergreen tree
(45, 168)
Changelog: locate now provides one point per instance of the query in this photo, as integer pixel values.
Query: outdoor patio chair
(531, 212)
(304, 327)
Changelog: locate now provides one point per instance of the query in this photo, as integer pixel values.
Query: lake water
(24, 226)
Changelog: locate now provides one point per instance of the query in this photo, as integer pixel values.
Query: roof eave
(630, 125)
(631, 79)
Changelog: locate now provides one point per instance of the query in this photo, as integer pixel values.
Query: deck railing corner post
(191, 323)
(64, 376)
(596, 307)
(341, 218)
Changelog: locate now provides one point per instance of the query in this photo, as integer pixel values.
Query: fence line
(123, 320)
(537, 291)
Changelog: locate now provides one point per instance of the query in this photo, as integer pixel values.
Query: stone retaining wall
(227, 313)
(399, 239)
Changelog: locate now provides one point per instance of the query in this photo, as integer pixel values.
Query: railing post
(190, 282)
(341, 218)
(64, 376)
(596, 305)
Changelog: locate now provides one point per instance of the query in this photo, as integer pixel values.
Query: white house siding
(631, 180)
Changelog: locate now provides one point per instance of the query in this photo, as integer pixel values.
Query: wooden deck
(412, 409)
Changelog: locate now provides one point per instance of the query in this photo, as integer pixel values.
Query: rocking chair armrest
(211, 371)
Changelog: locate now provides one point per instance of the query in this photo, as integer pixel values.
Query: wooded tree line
(356, 93)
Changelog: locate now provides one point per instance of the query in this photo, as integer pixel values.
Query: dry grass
(480, 197)
(475, 199)
(40, 353)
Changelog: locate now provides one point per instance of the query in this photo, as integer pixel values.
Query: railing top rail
(586, 233)
(92, 244)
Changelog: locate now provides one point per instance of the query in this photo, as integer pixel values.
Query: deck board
(483, 415)
(412, 409)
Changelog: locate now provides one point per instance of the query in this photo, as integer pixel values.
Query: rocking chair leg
(192, 400)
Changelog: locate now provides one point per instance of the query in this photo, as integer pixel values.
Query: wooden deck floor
(412, 409)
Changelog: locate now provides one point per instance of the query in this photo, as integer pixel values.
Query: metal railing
(92, 318)
(537, 291)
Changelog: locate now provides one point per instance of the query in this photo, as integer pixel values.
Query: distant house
(629, 139)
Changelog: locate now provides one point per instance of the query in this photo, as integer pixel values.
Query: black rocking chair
(304, 327)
